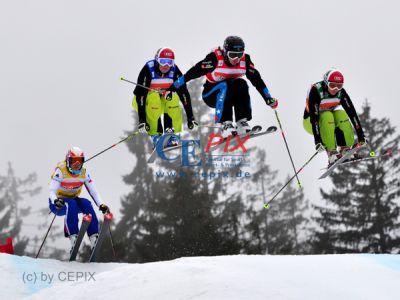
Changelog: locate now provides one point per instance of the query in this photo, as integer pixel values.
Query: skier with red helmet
(224, 88)
(151, 100)
(324, 118)
(65, 187)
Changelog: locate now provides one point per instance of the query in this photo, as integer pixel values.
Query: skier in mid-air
(324, 118)
(151, 100)
(65, 187)
(224, 88)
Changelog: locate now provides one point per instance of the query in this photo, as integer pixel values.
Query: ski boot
(93, 240)
(154, 139)
(228, 129)
(72, 238)
(344, 149)
(333, 156)
(173, 139)
(243, 127)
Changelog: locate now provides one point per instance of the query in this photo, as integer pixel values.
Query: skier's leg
(344, 129)
(216, 97)
(153, 112)
(85, 206)
(173, 110)
(241, 100)
(327, 129)
(71, 217)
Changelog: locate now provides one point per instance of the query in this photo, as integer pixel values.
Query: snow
(348, 276)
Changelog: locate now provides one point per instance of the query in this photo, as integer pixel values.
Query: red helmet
(334, 79)
(165, 56)
(75, 159)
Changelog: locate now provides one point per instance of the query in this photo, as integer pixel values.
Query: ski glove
(143, 127)
(104, 208)
(362, 140)
(59, 203)
(192, 123)
(319, 147)
(167, 95)
(272, 102)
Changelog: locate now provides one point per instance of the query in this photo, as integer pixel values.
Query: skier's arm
(92, 190)
(313, 105)
(255, 78)
(144, 79)
(184, 95)
(203, 67)
(348, 106)
(55, 184)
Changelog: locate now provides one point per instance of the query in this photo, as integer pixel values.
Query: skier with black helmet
(224, 88)
(324, 118)
(151, 100)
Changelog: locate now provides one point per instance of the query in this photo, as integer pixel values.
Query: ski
(103, 232)
(256, 131)
(341, 160)
(84, 226)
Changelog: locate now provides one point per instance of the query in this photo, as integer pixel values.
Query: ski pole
(266, 205)
(123, 140)
(48, 230)
(287, 147)
(112, 244)
(145, 87)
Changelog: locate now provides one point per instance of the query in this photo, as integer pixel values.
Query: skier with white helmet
(158, 74)
(328, 113)
(224, 88)
(65, 187)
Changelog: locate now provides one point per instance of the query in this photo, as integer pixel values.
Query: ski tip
(266, 205)
(121, 78)
(272, 128)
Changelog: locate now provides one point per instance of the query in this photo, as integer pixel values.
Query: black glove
(363, 140)
(319, 147)
(192, 123)
(167, 95)
(104, 208)
(272, 102)
(59, 203)
(143, 127)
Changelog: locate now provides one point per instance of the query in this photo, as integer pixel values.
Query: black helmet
(233, 49)
(233, 43)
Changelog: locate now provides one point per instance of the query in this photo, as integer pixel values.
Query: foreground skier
(224, 89)
(65, 187)
(158, 74)
(327, 122)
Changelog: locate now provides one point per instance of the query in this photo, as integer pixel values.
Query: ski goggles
(234, 54)
(165, 62)
(335, 85)
(75, 163)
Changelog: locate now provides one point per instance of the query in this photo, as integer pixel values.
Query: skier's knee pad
(173, 109)
(327, 129)
(344, 128)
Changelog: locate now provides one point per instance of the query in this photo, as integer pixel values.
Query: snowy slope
(225, 277)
